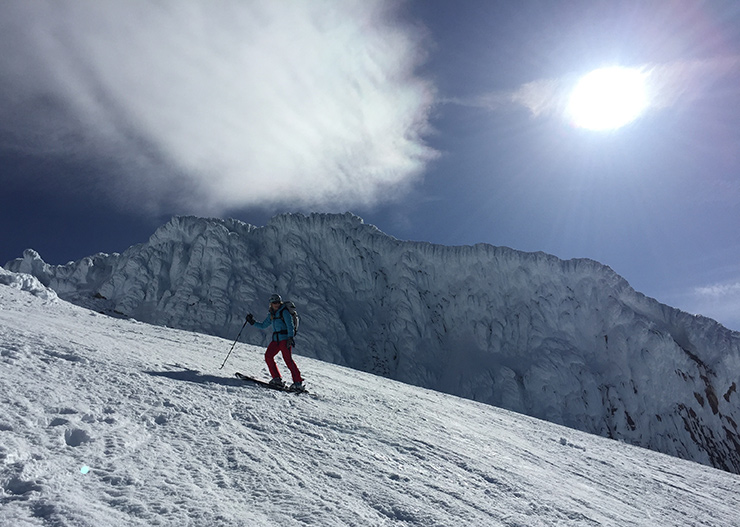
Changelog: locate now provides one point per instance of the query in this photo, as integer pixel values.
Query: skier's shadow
(196, 377)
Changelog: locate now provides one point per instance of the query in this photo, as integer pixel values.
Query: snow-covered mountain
(109, 422)
(566, 341)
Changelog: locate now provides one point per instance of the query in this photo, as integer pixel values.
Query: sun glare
(608, 98)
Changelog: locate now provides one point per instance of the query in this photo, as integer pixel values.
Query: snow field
(169, 439)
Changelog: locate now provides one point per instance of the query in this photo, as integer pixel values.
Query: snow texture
(105, 421)
(566, 341)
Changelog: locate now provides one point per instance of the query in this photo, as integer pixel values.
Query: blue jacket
(282, 324)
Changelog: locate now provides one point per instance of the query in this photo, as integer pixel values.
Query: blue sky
(434, 120)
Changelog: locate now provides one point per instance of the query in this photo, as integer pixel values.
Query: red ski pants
(273, 350)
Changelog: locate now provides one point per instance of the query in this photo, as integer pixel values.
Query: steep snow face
(567, 341)
(107, 422)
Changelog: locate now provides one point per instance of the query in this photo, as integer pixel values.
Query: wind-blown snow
(115, 422)
(566, 341)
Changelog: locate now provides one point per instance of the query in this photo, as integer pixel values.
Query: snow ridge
(567, 341)
(28, 283)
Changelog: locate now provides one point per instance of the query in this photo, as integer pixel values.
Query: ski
(267, 384)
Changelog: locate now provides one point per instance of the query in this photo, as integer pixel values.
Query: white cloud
(252, 102)
(668, 85)
(540, 96)
(717, 291)
(682, 82)
(719, 301)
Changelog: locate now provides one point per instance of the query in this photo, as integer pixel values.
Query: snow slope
(105, 421)
(566, 341)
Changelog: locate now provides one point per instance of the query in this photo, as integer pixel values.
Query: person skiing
(283, 333)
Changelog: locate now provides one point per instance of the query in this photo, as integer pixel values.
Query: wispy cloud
(720, 301)
(668, 85)
(718, 291)
(239, 102)
(540, 97)
(682, 82)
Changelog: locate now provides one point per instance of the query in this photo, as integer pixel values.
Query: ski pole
(234, 344)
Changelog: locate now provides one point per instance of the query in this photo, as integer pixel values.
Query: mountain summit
(566, 341)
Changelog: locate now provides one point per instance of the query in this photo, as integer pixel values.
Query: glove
(250, 319)
(291, 342)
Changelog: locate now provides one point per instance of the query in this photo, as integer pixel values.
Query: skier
(283, 331)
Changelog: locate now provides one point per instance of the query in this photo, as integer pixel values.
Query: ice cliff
(566, 341)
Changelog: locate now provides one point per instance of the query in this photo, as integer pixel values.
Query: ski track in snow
(170, 439)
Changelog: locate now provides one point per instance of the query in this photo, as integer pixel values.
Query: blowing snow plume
(232, 103)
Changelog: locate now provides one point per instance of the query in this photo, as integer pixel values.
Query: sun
(608, 98)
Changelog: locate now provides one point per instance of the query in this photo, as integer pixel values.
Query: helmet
(276, 298)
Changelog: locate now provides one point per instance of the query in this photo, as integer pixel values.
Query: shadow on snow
(196, 377)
